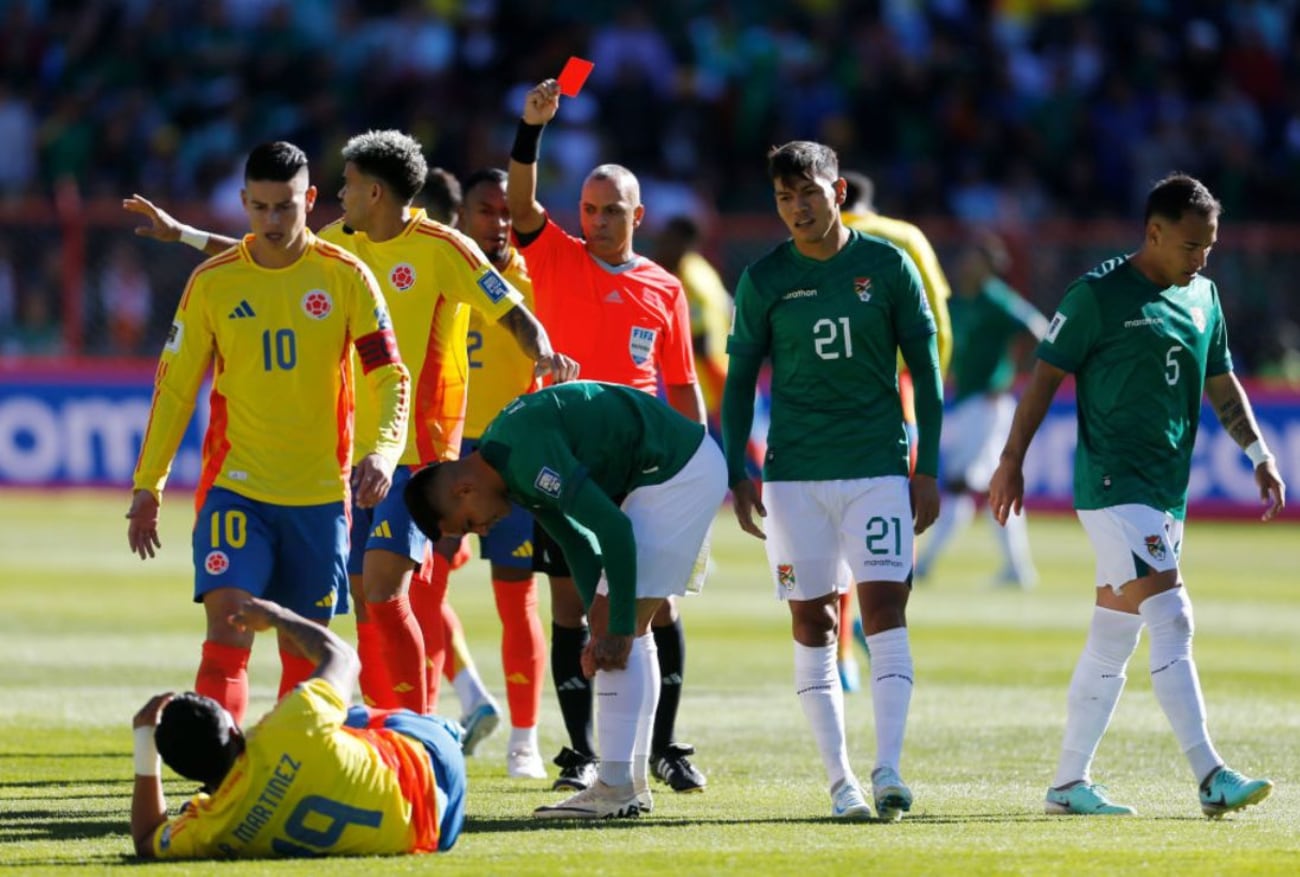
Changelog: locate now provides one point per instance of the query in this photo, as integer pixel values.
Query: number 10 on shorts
(233, 525)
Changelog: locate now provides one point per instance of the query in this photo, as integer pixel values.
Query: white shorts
(974, 432)
(1132, 541)
(824, 536)
(671, 523)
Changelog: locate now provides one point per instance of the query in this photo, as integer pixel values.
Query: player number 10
(283, 345)
(236, 528)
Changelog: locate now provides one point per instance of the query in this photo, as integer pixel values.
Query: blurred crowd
(1003, 109)
(997, 112)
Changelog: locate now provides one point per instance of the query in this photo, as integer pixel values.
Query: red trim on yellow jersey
(343, 417)
(215, 262)
(159, 373)
(434, 398)
(434, 231)
(215, 447)
(409, 762)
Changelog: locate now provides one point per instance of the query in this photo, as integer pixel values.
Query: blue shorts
(441, 739)
(510, 541)
(294, 555)
(387, 526)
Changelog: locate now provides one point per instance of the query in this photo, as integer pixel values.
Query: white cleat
(598, 801)
(848, 802)
(525, 763)
(893, 797)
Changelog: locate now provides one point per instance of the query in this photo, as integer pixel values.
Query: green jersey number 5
(1171, 365)
(831, 338)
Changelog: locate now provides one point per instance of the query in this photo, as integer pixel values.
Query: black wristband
(527, 139)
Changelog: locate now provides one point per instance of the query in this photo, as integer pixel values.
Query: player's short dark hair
(276, 162)
(420, 496)
(859, 191)
(196, 738)
(1176, 194)
(993, 250)
(393, 158)
(802, 159)
(493, 175)
(442, 195)
(683, 227)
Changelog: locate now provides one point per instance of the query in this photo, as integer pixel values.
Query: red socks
(428, 593)
(223, 676)
(523, 649)
(403, 651)
(293, 669)
(376, 687)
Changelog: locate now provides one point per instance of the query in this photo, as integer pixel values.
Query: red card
(575, 73)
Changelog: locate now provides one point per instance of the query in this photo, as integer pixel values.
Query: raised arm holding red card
(631, 318)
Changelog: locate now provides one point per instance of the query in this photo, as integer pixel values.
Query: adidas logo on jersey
(525, 550)
(613, 297)
(383, 531)
(244, 310)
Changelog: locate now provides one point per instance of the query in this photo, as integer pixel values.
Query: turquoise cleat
(1084, 799)
(1225, 790)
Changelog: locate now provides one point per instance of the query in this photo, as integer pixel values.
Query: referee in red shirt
(626, 320)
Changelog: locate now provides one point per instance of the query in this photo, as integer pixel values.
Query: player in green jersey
(627, 488)
(990, 322)
(831, 308)
(1144, 337)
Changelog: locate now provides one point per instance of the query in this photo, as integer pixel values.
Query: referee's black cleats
(674, 768)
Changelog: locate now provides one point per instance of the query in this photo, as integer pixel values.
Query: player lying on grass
(311, 778)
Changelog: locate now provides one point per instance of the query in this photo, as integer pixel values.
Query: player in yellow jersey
(275, 318)
(710, 304)
(433, 276)
(859, 212)
(498, 375)
(312, 778)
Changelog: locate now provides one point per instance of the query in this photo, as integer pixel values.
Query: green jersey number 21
(831, 338)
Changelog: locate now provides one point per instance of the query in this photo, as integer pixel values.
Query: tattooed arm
(1234, 412)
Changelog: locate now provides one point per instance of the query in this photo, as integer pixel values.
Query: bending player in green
(831, 308)
(1144, 337)
(628, 488)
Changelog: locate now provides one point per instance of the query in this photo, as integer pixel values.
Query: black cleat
(577, 771)
(672, 767)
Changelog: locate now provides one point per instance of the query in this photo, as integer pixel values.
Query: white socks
(470, 690)
(621, 715)
(646, 720)
(891, 692)
(817, 683)
(1013, 539)
(955, 512)
(523, 738)
(1168, 616)
(1094, 690)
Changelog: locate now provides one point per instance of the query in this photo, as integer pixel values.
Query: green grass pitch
(88, 632)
